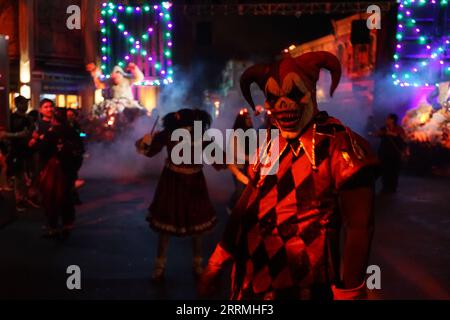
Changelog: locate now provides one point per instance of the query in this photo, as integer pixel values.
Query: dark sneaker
(21, 207)
(33, 204)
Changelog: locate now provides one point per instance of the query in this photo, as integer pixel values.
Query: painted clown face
(289, 86)
(290, 104)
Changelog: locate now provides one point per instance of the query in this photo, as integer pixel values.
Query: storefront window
(64, 101)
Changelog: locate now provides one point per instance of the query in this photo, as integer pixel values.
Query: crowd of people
(40, 158)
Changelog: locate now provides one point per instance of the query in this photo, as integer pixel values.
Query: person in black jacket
(59, 148)
(393, 148)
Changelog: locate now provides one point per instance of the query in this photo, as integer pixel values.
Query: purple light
(114, 20)
(138, 9)
(102, 21)
(169, 63)
(428, 47)
(447, 41)
(125, 33)
(169, 44)
(415, 69)
(441, 62)
(150, 59)
(104, 58)
(138, 46)
(169, 26)
(161, 14)
(408, 13)
(155, 7)
(120, 8)
(400, 26)
(104, 40)
(163, 72)
(127, 58)
(138, 42)
(401, 6)
(417, 30)
(150, 29)
(399, 46)
(397, 66)
(104, 4)
(433, 1)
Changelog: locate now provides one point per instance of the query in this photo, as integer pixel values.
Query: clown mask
(289, 86)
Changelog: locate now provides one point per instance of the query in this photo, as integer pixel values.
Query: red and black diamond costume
(283, 235)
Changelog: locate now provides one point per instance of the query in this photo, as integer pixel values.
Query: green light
(131, 40)
(110, 11)
(167, 53)
(147, 8)
(170, 71)
(121, 64)
(129, 9)
(133, 51)
(145, 36)
(424, 63)
(167, 16)
(399, 16)
(103, 12)
(413, 21)
(103, 49)
(406, 76)
(441, 49)
(103, 30)
(444, 2)
(144, 53)
(399, 36)
(396, 56)
(103, 67)
(168, 34)
(394, 76)
(121, 26)
(422, 39)
(157, 66)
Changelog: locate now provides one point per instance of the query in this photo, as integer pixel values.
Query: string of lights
(422, 55)
(140, 35)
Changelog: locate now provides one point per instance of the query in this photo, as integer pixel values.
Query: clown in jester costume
(284, 235)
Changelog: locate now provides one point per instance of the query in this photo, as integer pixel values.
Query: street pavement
(114, 247)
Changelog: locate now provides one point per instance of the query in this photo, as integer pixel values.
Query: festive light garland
(152, 49)
(434, 53)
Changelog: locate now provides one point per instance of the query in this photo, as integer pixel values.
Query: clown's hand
(358, 293)
(210, 277)
(209, 280)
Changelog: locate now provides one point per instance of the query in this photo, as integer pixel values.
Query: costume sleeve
(354, 168)
(157, 143)
(356, 207)
(350, 153)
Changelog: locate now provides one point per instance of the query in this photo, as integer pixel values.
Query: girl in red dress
(181, 206)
